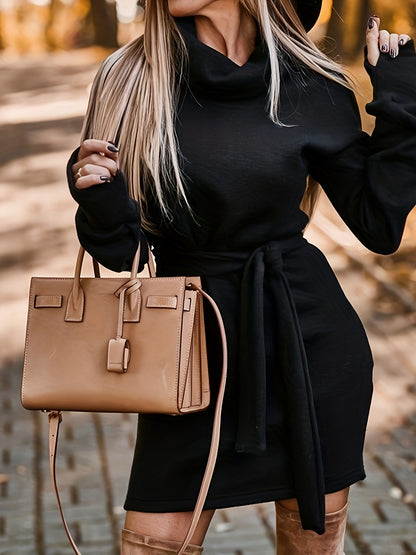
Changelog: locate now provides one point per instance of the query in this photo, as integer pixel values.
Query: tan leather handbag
(118, 344)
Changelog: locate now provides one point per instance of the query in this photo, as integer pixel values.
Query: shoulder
(326, 86)
(318, 101)
(330, 92)
(327, 110)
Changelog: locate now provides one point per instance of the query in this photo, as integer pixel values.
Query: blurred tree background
(47, 25)
(347, 20)
(28, 26)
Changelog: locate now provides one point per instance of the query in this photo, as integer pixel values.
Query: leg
(291, 539)
(154, 533)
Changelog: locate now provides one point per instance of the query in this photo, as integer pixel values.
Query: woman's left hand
(382, 41)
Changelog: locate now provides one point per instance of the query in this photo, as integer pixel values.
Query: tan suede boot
(133, 543)
(291, 539)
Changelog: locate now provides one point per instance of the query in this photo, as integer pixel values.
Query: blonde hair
(134, 96)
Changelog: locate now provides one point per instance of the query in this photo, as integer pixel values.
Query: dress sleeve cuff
(394, 83)
(106, 205)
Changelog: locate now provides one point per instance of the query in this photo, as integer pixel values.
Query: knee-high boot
(292, 539)
(133, 543)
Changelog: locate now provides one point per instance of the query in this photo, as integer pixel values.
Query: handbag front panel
(65, 363)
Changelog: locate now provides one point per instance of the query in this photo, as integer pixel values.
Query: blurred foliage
(46, 25)
(32, 26)
(345, 33)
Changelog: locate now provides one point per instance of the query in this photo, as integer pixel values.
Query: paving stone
(245, 533)
(93, 531)
(349, 546)
(18, 550)
(397, 464)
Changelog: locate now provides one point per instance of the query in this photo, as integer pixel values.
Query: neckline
(187, 24)
(210, 72)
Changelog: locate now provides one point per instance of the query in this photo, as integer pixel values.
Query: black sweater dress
(300, 367)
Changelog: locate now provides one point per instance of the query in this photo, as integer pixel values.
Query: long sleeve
(371, 181)
(108, 221)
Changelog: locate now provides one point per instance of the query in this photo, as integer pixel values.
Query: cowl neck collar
(211, 73)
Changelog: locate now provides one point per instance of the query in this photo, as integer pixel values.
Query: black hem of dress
(218, 502)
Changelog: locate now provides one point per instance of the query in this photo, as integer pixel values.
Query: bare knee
(333, 501)
(168, 526)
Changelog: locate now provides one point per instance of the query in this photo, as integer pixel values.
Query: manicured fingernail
(112, 148)
(401, 42)
(105, 178)
(371, 23)
(384, 48)
(393, 53)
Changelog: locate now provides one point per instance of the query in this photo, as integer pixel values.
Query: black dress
(300, 368)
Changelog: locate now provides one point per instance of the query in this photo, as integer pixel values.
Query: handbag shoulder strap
(216, 428)
(55, 418)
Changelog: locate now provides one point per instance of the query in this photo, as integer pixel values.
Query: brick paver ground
(93, 464)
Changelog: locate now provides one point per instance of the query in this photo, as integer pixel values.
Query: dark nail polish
(371, 23)
(401, 42)
(393, 53)
(112, 148)
(384, 48)
(104, 178)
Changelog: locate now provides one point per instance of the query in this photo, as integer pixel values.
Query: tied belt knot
(272, 254)
(267, 261)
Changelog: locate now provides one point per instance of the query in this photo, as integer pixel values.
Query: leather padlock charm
(118, 355)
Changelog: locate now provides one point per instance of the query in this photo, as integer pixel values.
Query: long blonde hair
(134, 96)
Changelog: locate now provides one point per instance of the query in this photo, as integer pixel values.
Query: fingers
(394, 45)
(90, 163)
(89, 175)
(105, 148)
(382, 41)
(84, 182)
(372, 40)
(390, 43)
(404, 39)
(97, 163)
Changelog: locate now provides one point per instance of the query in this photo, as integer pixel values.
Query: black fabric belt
(251, 434)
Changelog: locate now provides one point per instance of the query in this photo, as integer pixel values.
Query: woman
(219, 114)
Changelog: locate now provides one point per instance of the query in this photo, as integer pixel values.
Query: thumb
(372, 36)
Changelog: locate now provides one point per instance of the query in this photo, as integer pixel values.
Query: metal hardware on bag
(54, 414)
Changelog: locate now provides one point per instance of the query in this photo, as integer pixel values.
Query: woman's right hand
(97, 163)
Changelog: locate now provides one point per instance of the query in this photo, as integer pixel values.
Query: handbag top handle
(134, 268)
(76, 300)
(150, 262)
